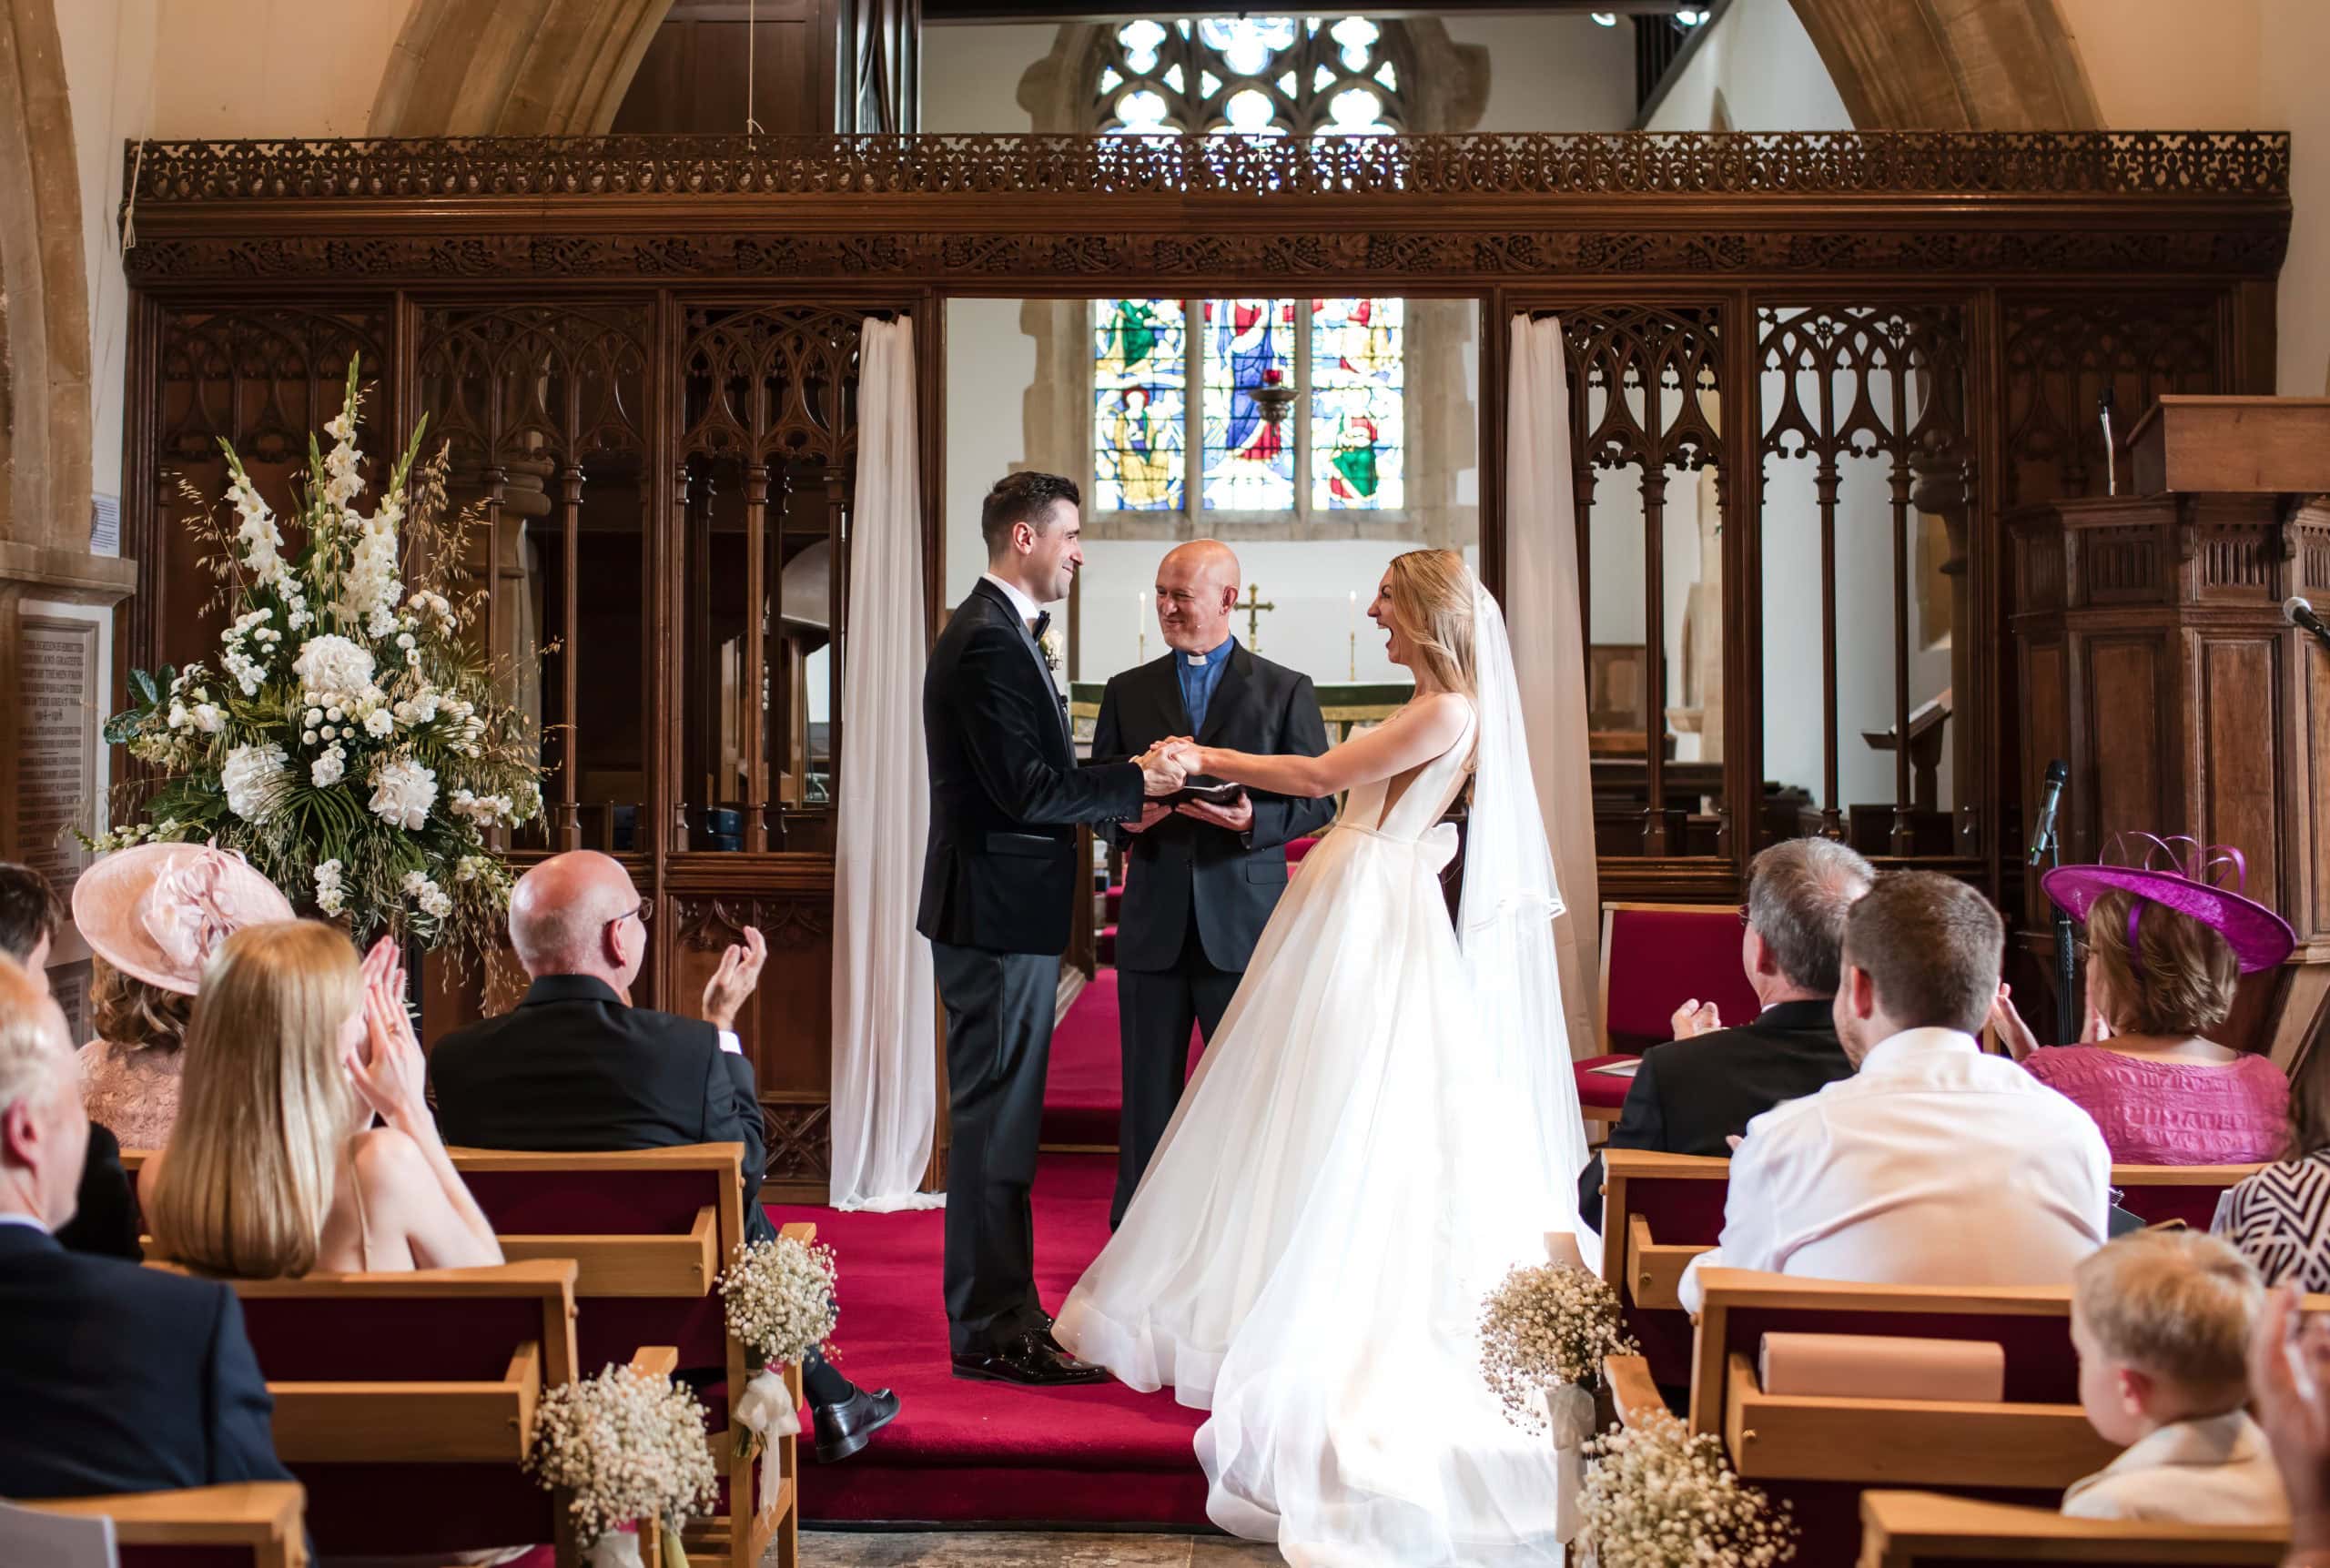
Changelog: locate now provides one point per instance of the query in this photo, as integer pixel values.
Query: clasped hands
(1165, 767)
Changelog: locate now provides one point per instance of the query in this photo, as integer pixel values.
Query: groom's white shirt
(1932, 1165)
(1027, 608)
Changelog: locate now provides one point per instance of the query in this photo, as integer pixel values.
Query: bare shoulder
(1441, 714)
(386, 1159)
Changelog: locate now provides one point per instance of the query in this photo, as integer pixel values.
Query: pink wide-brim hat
(159, 911)
(2260, 938)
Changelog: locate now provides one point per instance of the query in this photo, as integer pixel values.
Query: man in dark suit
(999, 881)
(1696, 1093)
(1201, 879)
(576, 1067)
(112, 1377)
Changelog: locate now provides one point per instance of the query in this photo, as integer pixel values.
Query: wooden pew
(2159, 1193)
(404, 1403)
(256, 1523)
(1659, 1211)
(649, 1231)
(1916, 1529)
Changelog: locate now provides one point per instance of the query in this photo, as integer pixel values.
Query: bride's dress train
(1359, 1157)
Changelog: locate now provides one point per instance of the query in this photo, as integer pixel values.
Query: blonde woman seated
(2162, 1321)
(276, 1167)
(153, 916)
(2164, 953)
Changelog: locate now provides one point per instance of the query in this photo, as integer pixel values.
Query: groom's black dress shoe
(1030, 1358)
(843, 1429)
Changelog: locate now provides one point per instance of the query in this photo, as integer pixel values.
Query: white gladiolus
(329, 897)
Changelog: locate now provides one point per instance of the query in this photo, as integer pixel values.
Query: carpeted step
(974, 1452)
(1104, 945)
(1113, 901)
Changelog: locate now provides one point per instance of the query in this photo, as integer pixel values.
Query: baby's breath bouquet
(631, 1447)
(1657, 1497)
(780, 1304)
(348, 742)
(1548, 1328)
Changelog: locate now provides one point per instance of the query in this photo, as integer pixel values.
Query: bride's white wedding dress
(1361, 1155)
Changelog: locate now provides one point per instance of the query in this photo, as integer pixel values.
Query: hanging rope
(752, 55)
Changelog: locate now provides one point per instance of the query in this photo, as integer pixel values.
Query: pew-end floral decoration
(1544, 1328)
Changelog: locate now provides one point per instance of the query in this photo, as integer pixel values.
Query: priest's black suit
(998, 883)
(1197, 896)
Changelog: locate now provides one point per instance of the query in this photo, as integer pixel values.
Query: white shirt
(1027, 608)
(30, 1221)
(2214, 1471)
(1932, 1165)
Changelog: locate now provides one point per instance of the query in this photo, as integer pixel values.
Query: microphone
(2044, 834)
(2300, 613)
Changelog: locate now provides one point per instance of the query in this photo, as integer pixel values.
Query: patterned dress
(2156, 1111)
(132, 1090)
(2280, 1221)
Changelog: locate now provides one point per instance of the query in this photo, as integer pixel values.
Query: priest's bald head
(1196, 583)
(578, 913)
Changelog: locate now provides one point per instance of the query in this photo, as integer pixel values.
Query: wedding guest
(275, 1168)
(2162, 1321)
(576, 1067)
(105, 1217)
(1934, 1164)
(112, 1377)
(153, 915)
(1694, 1093)
(2279, 1218)
(2289, 1383)
(2165, 951)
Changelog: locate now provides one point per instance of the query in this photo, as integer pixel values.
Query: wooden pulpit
(2153, 657)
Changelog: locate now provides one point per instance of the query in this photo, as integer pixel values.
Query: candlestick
(1141, 624)
(1354, 656)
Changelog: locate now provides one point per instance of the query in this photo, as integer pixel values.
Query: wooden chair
(1659, 1211)
(404, 1403)
(1655, 956)
(1915, 1529)
(256, 1524)
(649, 1231)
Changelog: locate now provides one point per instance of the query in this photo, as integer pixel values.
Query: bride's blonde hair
(1432, 593)
(264, 1108)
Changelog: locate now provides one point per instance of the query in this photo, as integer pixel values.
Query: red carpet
(1085, 1093)
(984, 1453)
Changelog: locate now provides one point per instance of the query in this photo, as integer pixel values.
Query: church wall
(1758, 64)
(1551, 73)
(267, 68)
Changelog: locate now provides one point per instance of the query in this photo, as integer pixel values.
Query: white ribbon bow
(766, 1409)
(1571, 1409)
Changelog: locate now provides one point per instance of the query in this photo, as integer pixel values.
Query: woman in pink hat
(153, 915)
(2166, 951)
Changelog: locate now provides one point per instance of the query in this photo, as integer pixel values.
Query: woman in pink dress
(2166, 951)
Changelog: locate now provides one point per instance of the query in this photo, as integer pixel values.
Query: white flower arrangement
(1657, 1497)
(1050, 646)
(629, 1446)
(779, 1301)
(349, 739)
(1544, 1327)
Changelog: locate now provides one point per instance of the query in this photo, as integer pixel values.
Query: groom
(1201, 880)
(998, 883)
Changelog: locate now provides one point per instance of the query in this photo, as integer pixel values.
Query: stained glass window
(1140, 376)
(1357, 432)
(1249, 460)
(1254, 76)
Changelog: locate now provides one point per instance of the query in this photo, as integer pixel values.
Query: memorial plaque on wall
(57, 763)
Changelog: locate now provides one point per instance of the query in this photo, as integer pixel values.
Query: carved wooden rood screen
(1842, 353)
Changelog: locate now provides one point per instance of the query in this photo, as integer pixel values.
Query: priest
(1202, 874)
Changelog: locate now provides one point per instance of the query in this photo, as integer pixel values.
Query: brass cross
(1253, 604)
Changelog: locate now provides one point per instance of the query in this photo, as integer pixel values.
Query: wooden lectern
(2153, 657)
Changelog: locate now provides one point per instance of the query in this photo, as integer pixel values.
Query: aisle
(984, 1453)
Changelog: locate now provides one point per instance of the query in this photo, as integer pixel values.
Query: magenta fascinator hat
(159, 911)
(2184, 875)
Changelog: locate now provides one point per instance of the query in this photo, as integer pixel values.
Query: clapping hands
(387, 1069)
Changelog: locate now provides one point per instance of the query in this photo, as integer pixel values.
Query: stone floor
(986, 1549)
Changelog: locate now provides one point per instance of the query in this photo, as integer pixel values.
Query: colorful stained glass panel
(1248, 463)
(1358, 436)
(1139, 390)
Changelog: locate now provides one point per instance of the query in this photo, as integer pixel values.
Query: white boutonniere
(1050, 646)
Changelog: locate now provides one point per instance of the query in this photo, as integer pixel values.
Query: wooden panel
(2241, 758)
(2316, 698)
(1633, 1394)
(632, 1265)
(261, 1516)
(1928, 1442)
(411, 1423)
(1906, 1529)
(1655, 1270)
(2264, 446)
(692, 79)
(2123, 719)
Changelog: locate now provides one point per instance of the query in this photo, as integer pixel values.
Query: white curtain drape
(1541, 605)
(885, 1082)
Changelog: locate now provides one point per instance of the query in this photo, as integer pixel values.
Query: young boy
(2162, 1321)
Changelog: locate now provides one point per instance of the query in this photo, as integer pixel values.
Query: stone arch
(1952, 64)
(44, 326)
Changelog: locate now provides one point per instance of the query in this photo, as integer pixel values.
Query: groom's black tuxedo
(998, 882)
(1197, 896)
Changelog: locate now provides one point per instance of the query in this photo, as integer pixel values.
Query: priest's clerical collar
(1221, 651)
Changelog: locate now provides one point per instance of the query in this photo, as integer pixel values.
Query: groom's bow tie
(1041, 624)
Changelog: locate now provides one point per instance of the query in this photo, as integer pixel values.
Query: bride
(1383, 1125)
